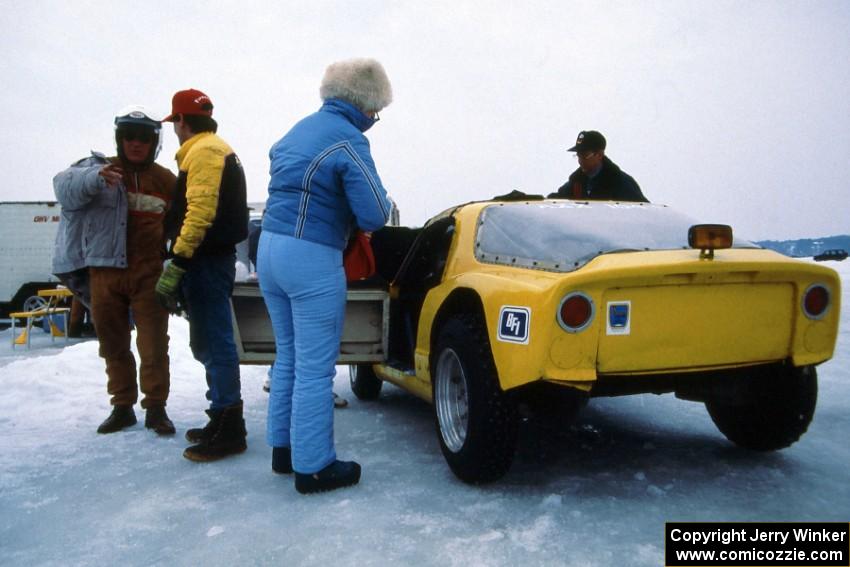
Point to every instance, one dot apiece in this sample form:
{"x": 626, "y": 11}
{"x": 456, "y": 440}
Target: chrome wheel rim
{"x": 451, "y": 400}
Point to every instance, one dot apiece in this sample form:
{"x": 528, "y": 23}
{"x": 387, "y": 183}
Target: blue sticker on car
{"x": 619, "y": 317}
{"x": 514, "y": 324}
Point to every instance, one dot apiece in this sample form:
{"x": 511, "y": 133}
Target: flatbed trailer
{"x": 364, "y": 334}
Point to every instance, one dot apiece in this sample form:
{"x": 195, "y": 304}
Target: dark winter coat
{"x": 210, "y": 211}
{"x": 610, "y": 184}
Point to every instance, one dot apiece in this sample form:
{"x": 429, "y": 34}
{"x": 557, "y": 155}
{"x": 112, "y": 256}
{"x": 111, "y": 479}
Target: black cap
{"x": 588, "y": 141}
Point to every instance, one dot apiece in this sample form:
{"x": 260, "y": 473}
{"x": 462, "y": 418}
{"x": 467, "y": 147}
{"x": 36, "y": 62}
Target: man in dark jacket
{"x": 597, "y": 177}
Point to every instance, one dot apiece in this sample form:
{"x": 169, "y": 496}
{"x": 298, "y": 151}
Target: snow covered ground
{"x": 598, "y": 494}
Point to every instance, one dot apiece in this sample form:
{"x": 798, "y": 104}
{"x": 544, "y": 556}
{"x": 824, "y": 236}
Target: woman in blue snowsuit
{"x": 323, "y": 185}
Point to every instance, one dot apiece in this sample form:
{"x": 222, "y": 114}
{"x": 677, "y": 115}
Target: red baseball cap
{"x": 190, "y": 101}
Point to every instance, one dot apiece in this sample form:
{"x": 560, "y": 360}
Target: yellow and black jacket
{"x": 209, "y": 214}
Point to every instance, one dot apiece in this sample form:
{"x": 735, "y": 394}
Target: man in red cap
{"x": 597, "y": 177}
{"x": 208, "y": 217}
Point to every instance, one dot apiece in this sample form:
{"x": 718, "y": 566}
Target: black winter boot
{"x": 338, "y": 474}
{"x": 157, "y": 419}
{"x": 121, "y": 417}
{"x": 282, "y": 460}
{"x": 201, "y": 434}
{"x": 227, "y": 436}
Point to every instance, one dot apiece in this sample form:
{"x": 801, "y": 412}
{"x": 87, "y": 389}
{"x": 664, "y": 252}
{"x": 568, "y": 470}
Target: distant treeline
{"x": 807, "y": 246}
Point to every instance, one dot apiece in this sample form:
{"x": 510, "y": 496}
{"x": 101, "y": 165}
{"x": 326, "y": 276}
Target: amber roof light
{"x": 710, "y": 237}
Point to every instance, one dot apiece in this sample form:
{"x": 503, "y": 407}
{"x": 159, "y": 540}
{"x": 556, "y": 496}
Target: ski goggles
{"x": 137, "y": 134}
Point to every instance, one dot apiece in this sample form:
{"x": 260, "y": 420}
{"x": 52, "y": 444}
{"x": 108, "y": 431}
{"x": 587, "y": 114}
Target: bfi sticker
{"x": 619, "y": 318}
{"x": 514, "y": 323}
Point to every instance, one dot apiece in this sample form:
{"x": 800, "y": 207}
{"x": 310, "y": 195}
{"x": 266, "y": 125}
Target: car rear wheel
{"x": 777, "y": 405}
{"x": 476, "y": 421}
{"x": 364, "y": 383}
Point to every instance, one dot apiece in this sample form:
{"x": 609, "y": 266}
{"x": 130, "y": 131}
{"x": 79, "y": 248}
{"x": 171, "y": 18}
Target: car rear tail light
{"x": 815, "y": 301}
{"x": 575, "y": 312}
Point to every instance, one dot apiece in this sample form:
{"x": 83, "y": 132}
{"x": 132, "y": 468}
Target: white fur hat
{"x": 362, "y": 82}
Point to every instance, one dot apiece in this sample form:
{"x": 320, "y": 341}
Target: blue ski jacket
{"x": 323, "y": 179}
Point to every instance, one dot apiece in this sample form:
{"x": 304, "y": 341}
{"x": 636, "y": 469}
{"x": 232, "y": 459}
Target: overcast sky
{"x": 733, "y": 112}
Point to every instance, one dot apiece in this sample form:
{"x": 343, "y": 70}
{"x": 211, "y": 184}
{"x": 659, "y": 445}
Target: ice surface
{"x": 595, "y": 495}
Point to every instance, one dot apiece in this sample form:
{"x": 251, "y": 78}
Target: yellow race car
{"x": 545, "y": 303}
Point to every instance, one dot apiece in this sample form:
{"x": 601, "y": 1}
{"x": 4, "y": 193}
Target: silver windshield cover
{"x": 563, "y": 236}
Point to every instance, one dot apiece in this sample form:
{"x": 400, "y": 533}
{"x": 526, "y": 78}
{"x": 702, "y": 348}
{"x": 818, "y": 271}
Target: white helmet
{"x": 134, "y": 117}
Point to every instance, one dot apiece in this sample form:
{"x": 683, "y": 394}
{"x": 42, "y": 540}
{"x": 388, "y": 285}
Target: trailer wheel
{"x": 476, "y": 420}
{"x": 33, "y": 303}
{"x": 364, "y": 383}
{"x": 779, "y": 403}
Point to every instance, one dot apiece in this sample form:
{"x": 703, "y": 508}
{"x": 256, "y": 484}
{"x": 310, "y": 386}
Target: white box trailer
{"x": 27, "y": 234}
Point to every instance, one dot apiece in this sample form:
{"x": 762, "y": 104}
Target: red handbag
{"x": 358, "y": 259}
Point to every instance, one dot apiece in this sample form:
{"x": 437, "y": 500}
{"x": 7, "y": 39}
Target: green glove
{"x": 168, "y": 287}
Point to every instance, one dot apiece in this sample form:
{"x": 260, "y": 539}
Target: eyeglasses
{"x": 584, "y": 155}
{"x": 143, "y": 135}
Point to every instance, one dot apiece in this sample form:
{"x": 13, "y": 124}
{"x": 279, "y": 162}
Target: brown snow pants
{"x": 116, "y": 294}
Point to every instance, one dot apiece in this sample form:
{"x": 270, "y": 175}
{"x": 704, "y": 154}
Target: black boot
{"x": 201, "y": 434}
{"x": 121, "y": 417}
{"x": 281, "y": 460}
{"x": 227, "y": 436}
{"x": 157, "y": 419}
{"x": 338, "y": 474}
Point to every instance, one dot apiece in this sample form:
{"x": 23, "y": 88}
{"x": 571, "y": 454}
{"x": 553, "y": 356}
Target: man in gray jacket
{"x": 109, "y": 250}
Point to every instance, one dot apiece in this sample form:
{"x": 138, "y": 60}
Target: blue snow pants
{"x": 207, "y": 287}
{"x": 304, "y": 287}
